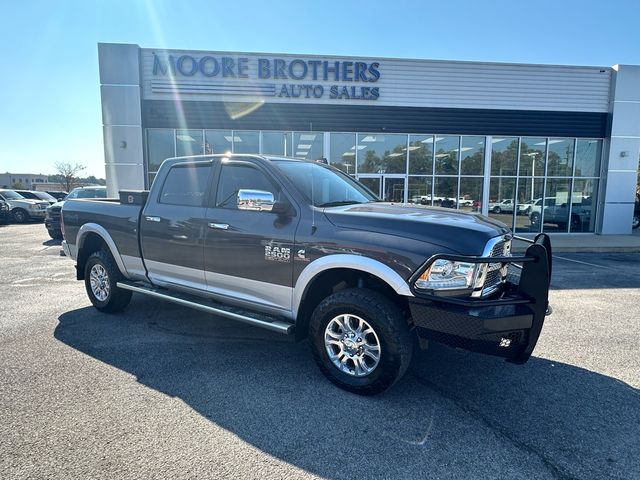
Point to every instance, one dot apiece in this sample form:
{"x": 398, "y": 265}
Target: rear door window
{"x": 186, "y": 185}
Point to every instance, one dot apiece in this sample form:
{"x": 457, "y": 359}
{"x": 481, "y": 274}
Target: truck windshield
{"x": 324, "y": 186}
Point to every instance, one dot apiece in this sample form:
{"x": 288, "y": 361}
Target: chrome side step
{"x": 268, "y": 322}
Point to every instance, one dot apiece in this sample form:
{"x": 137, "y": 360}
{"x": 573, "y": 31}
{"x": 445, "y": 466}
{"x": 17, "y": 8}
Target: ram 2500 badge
{"x": 302, "y": 249}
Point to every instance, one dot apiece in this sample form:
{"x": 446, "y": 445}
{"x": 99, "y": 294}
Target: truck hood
{"x": 465, "y": 233}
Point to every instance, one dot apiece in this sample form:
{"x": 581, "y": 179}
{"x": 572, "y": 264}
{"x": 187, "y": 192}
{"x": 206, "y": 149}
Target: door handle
{"x": 219, "y": 226}
{"x": 152, "y": 219}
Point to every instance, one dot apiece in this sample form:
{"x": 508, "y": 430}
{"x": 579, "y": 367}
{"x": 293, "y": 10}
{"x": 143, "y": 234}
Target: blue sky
{"x": 49, "y": 87}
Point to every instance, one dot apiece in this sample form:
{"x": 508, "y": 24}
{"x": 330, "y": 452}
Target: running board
{"x": 268, "y": 322}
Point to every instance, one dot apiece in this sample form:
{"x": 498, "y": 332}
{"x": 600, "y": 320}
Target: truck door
{"x": 172, "y": 227}
{"x": 248, "y": 254}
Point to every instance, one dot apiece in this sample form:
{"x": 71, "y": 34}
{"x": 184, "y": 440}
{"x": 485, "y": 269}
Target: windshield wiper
{"x": 339, "y": 204}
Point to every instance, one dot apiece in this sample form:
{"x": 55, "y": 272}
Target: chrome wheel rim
{"x": 99, "y": 280}
{"x": 352, "y": 345}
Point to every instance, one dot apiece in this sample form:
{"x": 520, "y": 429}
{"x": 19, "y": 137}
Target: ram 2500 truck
{"x": 303, "y": 249}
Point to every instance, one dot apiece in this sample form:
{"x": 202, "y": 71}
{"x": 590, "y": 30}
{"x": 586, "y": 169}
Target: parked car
{"x": 503, "y": 206}
{"x": 52, "y": 219}
{"x": 23, "y": 209}
{"x": 5, "y": 212}
{"x": 524, "y": 208}
{"x": 558, "y": 213}
{"x": 34, "y": 195}
{"x": 58, "y": 194}
{"x": 302, "y": 249}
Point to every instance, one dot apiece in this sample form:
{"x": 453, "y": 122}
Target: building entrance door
{"x": 389, "y": 188}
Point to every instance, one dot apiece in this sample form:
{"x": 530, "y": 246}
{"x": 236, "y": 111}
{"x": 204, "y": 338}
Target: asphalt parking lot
{"x": 164, "y": 392}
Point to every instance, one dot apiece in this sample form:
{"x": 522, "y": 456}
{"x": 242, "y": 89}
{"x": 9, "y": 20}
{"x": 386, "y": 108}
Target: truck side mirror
{"x": 260, "y": 201}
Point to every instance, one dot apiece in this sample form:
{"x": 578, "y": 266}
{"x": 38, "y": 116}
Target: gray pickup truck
{"x": 300, "y": 248}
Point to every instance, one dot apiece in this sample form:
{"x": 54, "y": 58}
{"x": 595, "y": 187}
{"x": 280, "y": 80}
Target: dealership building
{"x": 551, "y": 148}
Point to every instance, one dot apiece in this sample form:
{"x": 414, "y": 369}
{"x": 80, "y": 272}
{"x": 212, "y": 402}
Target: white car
{"x": 23, "y": 209}
{"x": 503, "y": 206}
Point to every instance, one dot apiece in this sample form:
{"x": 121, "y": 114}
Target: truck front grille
{"x": 497, "y": 271}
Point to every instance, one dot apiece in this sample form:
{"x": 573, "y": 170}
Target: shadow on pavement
{"x": 52, "y": 242}
{"x": 453, "y": 410}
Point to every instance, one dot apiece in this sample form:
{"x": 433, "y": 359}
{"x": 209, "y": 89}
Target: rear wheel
{"x": 20, "y": 215}
{"x": 360, "y": 341}
{"x": 497, "y": 210}
{"x": 101, "y": 275}
{"x": 636, "y": 220}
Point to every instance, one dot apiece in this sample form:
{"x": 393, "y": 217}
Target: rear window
{"x": 185, "y": 185}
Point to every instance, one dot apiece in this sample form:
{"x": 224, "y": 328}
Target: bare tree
{"x": 68, "y": 174}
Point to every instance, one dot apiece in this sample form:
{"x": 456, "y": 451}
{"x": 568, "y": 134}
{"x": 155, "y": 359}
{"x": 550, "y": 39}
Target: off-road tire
{"x": 392, "y": 329}
{"x": 20, "y": 215}
{"x": 117, "y": 298}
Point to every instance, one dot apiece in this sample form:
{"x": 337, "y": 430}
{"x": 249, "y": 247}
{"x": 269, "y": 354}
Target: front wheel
{"x": 101, "y": 275}
{"x": 360, "y": 341}
{"x": 20, "y": 215}
{"x": 636, "y": 220}
{"x": 497, "y": 210}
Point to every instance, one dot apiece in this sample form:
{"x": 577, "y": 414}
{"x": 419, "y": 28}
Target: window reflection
{"x": 560, "y": 157}
{"x": 470, "y": 198}
{"x": 188, "y": 142}
{"x": 421, "y": 154}
{"x": 555, "y": 213}
{"x": 420, "y": 190}
{"x": 446, "y": 192}
{"x": 246, "y": 142}
{"x": 382, "y": 153}
{"x": 528, "y": 199}
{"x": 308, "y": 145}
{"x": 343, "y": 153}
{"x": 472, "y": 156}
{"x": 504, "y": 155}
{"x": 588, "y": 158}
{"x": 502, "y": 193}
{"x": 276, "y": 143}
{"x": 217, "y": 141}
{"x": 532, "y": 156}
{"x": 583, "y": 205}
{"x": 446, "y": 157}
{"x": 160, "y": 146}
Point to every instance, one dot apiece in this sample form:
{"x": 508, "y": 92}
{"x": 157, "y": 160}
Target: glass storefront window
{"x": 217, "y": 141}
{"x": 342, "y": 153}
{"x": 276, "y": 143}
{"x": 308, "y": 145}
{"x": 420, "y": 190}
{"x": 504, "y": 156}
{"x": 421, "y": 154}
{"x": 446, "y": 192}
{"x": 446, "y": 157}
{"x": 188, "y": 142}
{"x": 372, "y": 183}
{"x": 588, "y": 154}
{"x": 532, "y": 156}
{"x": 583, "y": 203}
{"x": 246, "y": 142}
{"x": 382, "y": 153}
{"x": 472, "y": 156}
{"x": 160, "y": 146}
{"x": 555, "y": 214}
{"x": 470, "y": 198}
{"x": 560, "y": 157}
{"x": 502, "y": 194}
{"x": 527, "y": 210}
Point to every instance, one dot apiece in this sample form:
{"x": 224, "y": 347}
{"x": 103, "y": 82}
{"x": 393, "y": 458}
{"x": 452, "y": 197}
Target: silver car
{"x": 24, "y": 209}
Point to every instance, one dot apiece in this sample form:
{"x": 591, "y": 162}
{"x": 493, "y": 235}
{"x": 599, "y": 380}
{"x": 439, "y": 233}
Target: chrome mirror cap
{"x": 256, "y": 200}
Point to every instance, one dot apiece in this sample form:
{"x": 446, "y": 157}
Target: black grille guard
{"x": 532, "y": 290}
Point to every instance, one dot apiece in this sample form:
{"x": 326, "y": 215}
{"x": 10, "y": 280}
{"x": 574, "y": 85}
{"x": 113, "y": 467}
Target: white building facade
{"x": 548, "y": 148}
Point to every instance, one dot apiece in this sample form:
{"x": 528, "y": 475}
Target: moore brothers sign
{"x": 296, "y": 78}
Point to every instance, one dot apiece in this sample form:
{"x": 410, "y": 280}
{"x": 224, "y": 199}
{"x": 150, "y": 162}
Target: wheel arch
{"x": 336, "y": 272}
{"x": 91, "y": 238}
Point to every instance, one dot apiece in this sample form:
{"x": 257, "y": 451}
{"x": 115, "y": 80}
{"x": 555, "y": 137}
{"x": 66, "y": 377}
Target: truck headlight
{"x": 449, "y": 275}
